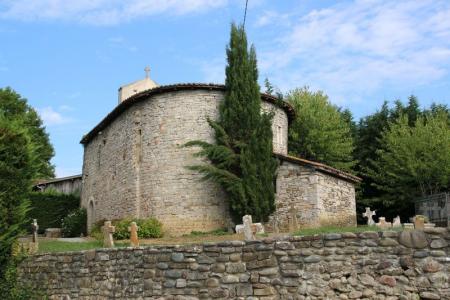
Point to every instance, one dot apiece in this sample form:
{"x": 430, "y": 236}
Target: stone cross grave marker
{"x": 133, "y": 229}
{"x": 397, "y": 222}
{"x": 293, "y": 222}
{"x": 34, "y": 230}
{"x": 383, "y": 224}
{"x": 108, "y": 230}
{"x": 248, "y": 232}
{"x": 369, "y": 215}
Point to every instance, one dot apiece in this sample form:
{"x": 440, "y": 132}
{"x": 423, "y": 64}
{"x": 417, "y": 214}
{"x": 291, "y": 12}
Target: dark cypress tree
{"x": 242, "y": 160}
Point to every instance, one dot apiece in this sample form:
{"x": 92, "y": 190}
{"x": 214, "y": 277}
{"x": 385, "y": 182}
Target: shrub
{"x": 50, "y": 207}
{"x": 74, "y": 224}
{"x": 96, "y": 230}
{"x": 148, "y": 228}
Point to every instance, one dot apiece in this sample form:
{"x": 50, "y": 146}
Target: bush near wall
{"x": 50, "y": 207}
{"x": 74, "y": 224}
{"x": 148, "y": 228}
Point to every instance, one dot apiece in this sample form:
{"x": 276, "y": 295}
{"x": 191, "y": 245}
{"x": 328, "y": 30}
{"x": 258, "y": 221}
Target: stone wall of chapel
{"x": 336, "y": 201}
{"x": 137, "y": 165}
{"x": 279, "y": 128}
{"x": 316, "y": 199}
{"x": 108, "y": 176}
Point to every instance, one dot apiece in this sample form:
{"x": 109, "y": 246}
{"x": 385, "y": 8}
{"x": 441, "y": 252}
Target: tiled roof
{"x": 171, "y": 88}
{"x": 320, "y": 167}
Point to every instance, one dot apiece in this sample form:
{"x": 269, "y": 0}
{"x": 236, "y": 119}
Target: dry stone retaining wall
{"x": 369, "y": 265}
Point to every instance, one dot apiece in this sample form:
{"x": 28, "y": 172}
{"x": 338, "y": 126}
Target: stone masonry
{"x": 382, "y": 266}
{"x": 319, "y": 199}
{"x": 135, "y": 164}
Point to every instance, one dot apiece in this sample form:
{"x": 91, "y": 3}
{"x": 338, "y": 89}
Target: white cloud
{"x": 51, "y": 117}
{"x": 361, "y": 47}
{"x": 101, "y": 12}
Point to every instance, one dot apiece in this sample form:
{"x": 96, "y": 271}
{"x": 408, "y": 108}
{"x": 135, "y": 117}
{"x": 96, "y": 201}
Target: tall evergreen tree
{"x": 242, "y": 159}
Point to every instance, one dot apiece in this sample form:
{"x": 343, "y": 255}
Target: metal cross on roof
{"x": 147, "y": 71}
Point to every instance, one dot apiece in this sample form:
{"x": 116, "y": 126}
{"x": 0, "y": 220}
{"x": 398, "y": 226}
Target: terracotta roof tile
{"x": 320, "y": 167}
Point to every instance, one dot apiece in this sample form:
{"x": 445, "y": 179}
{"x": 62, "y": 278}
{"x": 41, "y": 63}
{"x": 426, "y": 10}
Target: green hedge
{"x": 74, "y": 224}
{"x": 50, "y": 207}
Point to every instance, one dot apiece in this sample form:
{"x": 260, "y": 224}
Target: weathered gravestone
{"x": 419, "y": 222}
{"x": 256, "y": 228}
{"x": 34, "y": 230}
{"x": 34, "y": 246}
{"x": 397, "y": 222}
{"x": 108, "y": 230}
{"x": 369, "y": 215}
{"x": 133, "y": 229}
{"x": 53, "y": 232}
{"x": 248, "y": 232}
{"x": 383, "y": 224}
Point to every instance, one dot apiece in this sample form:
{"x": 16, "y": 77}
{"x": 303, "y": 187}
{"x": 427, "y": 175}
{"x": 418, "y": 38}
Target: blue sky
{"x": 68, "y": 58}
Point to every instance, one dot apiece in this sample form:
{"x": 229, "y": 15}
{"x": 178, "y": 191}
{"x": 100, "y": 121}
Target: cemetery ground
{"x": 48, "y": 245}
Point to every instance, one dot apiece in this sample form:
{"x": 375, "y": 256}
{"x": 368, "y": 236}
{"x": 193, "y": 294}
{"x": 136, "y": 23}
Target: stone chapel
{"x": 134, "y": 165}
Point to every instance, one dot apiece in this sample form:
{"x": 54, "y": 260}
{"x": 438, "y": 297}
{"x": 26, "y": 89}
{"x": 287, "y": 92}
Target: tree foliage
{"x": 320, "y": 131}
{"x": 241, "y": 158}
{"x": 394, "y": 197}
{"x": 413, "y": 160}
{"x": 15, "y": 108}
{"x": 16, "y": 153}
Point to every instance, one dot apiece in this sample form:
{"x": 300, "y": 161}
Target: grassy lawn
{"x": 333, "y": 229}
{"x": 59, "y": 246}
{"x": 193, "y": 238}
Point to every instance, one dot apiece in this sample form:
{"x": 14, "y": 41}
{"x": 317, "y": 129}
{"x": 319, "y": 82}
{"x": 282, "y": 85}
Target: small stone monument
{"x": 293, "y": 222}
{"x": 34, "y": 246}
{"x": 369, "y": 215}
{"x": 34, "y": 230}
{"x": 419, "y": 222}
{"x": 383, "y": 224}
{"x": 248, "y": 232}
{"x": 397, "y": 222}
{"x": 133, "y": 229}
{"x": 108, "y": 230}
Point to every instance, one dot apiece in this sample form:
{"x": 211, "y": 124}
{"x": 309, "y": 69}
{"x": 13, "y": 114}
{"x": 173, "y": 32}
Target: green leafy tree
{"x": 320, "y": 131}
{"x": 241, "y": 159}
{"x": 15, "y": 108}
{"x": 16, "y": 153}
{"x": 412, "y": 161}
